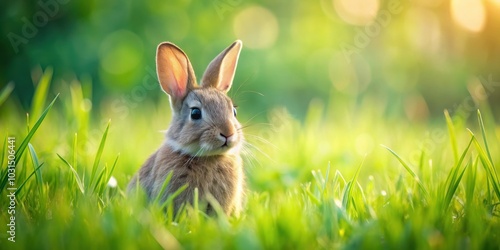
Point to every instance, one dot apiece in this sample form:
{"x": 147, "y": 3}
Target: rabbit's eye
{"x": 234, "y": 111}
{"x": 195, "y": 113}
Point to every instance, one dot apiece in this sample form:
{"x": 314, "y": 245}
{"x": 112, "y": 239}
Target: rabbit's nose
{"x": 225, "y": 138}
{"x": 226, "y": 130}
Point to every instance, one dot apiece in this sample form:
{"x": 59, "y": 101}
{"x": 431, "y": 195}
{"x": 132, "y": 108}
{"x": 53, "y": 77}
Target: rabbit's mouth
{"x": 227, "y": 140}
{"x": 219, "y": 148}
{"x": 216, "y": 146}
{"x": 223, "y": 149}
{"x": 219, "y": 144}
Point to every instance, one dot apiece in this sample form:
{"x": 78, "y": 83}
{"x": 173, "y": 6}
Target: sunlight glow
{"x": 429, "y": 3}
{"x": 257, "y": 27}
{"x": 424, "y": 29}
{"x": 357, "y": 12}
{"x": 496, "y": 2}
{"x": 469, "y": 14}
{"x": 364, "y": 144}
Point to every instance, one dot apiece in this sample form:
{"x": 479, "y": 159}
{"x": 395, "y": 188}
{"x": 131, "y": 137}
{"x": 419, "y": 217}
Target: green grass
{"x": 324, "y": 183}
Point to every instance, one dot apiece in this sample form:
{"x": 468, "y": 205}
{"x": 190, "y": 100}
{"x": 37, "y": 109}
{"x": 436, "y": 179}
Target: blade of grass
{"x": 180, "y": 214}
{"x": 24, "y": 144}
{"x": 454, "y": 178}
{"x": 196, "y": 207}
{"x": 26, "y": 180}
{"x": 4, "y": 149}
{"x": 491, "y": 163}
{"x": 221, "y": 216}
{"x": 172, "y": 196}
{"x": 3, "y": 182}
{"x": 421, "y": 161}
{"x": 113, "y": 167}
{"x": 451, "y": 132}
{"x": 163, "y": 187}
{"x": 453, "y": 186}
{"x": 492, "y": 177}
{"x": 319, "y": 179}
{"x": 34, "y": 158}
{"x": 493, "y": 172}
{"x": 4, "y": 175}
{"x": 312, "y": 197}
{"x": 347, "y": 193}
{"x": 99, "y": 153}
{"x": 409, "y": 170}
{"x": 471, "y": 182}
{"x": 75, "y": 150}
{"x": 98, "y": 180}
{"x": 483, "y": 133}
{"x": 101, "y": 185}
{"x": 327, "y": 175}
{"x": 41, "y": 92}
{"x": 5, "y": 92}
{"x": 77, "y": 177}
{"x": 110, "y": 173}
{"x": 488, "y": 187}
{"x": 337, "y": 178}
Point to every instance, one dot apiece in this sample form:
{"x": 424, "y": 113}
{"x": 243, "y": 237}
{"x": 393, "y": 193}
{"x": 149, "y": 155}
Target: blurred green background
{"x": 413, "y": 58}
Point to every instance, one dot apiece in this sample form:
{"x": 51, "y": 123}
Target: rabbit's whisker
{"x": 260, "y": 139}
{"x": 259, "y": 150}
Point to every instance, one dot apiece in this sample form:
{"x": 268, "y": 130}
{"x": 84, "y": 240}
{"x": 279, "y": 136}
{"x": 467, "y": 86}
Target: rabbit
{"x": 203, "y": 142}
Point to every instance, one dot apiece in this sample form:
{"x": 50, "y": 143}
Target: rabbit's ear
{"x": 174, "y": 72}
{"x": 220, "y": 72}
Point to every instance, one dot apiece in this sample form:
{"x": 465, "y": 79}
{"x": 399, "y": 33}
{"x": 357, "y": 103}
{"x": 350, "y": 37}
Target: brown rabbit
{"x": 202, "y": 146}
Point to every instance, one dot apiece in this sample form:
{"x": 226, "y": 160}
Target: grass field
{"x": 347, "y": 176}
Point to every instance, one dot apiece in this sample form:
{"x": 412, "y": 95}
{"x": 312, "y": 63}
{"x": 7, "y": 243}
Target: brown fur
{"x": 215, "y": 175}
{"x": 203, "y": 153}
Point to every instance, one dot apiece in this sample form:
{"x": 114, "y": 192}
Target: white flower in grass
{"x": 112, "y": 183}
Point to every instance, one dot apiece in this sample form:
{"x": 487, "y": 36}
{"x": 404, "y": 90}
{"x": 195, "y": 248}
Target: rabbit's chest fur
{"x": 214, "y": 175}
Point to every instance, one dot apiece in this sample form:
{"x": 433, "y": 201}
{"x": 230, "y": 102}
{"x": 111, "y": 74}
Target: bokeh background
{"x": 412, "y": 58}
{"x": 320, "y": 86}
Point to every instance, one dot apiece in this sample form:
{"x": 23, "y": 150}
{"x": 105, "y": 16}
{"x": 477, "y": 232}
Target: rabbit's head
{"x": 204, "y": 118}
